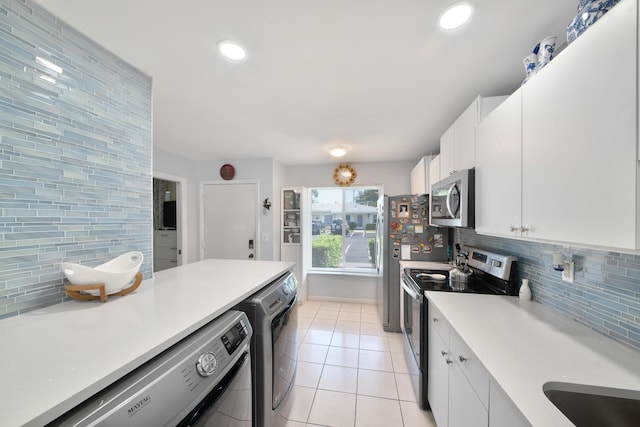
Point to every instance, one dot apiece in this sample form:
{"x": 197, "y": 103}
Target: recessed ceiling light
{"x": 455, "y": 16}
{"x": 338, "y": 151}
{"x": 232, "y": 50}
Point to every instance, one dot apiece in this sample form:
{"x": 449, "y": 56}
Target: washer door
{"x": 228, "y": 403}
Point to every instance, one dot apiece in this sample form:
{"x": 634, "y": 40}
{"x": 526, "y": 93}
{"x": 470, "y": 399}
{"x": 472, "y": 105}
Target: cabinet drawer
{"x": 166, "y": 238}
{"x": 163, "y": 253}
{"x": 471, "y": 367}
{"x": 439, "y": 323}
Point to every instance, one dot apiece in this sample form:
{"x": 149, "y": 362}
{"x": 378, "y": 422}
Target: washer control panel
{"x": 234, "y": 336}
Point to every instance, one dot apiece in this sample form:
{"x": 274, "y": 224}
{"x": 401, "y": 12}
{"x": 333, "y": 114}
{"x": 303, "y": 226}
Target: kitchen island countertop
{"x": 58, "y": 356}
{"x": 524, "y": 344}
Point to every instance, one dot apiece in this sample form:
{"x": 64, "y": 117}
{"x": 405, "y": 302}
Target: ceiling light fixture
{"x": 232, "y": 50}
{"x": 338, "y": 151}
{"x": 455, "y": 16}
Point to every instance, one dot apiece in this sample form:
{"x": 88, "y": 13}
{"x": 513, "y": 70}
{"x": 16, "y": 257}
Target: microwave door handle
{"x": 449, "y": 195}
{"x": 413, "y": 294}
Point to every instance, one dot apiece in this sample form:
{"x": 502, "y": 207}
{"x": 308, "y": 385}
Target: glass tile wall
{"x": 605, "y": 295}
{"x": 75, "y": 156}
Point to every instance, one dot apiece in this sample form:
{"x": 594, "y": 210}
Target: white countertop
{"x": 56, "y": 357}
{"x": 524, "y": 345}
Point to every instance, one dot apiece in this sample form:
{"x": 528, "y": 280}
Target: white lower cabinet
{"x": 503, "y": 413}
{"x": 460, "y": 390}
{"x": 438, "y": 375}
{"x": 458, "y": 385}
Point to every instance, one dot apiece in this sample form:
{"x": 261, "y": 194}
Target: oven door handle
{"x": 409, "y": 290}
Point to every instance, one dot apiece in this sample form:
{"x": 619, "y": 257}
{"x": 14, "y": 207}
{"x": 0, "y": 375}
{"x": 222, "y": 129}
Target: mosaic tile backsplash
{"x": 605, "y": 295}
{"x": 75, "y": 156}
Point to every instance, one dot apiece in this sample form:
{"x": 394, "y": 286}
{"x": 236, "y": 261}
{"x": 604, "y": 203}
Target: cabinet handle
{"x": 435, "y": 320}
{"x": 449, "y": 361}
{"x": 524, "y": 229}
{"x": 513, "y": 229}
{"x": 462, "y": 358}
{"x": 444, "y": 353}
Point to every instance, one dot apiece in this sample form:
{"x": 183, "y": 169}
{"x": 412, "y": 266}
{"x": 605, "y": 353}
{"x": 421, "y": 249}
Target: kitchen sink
{"x": 587, "y": 405}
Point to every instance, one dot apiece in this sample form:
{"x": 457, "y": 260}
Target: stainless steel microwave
{"x": 452, "y": 200}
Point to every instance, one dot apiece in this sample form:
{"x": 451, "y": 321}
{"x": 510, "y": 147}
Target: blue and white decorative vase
{"x": 589, "y": 11}
{"x": 546, "y": 50}
{"x": 530, "y": 64}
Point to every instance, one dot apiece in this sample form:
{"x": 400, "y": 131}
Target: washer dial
{"x": 206, "y": 364}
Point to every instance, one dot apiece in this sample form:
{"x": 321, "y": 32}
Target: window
{"x": 343, "y": 228}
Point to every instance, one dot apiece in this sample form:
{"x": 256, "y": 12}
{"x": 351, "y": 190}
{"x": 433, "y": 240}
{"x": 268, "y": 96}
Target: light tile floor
{"x": 350, "y": 371}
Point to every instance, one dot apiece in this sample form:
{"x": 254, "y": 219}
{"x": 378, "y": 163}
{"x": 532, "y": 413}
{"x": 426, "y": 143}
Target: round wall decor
{"x": 227, "y": 172}
{"x": 344, "y": 175}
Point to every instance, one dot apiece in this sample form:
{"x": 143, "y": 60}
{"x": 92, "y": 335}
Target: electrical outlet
{"x": 568, "y": 272}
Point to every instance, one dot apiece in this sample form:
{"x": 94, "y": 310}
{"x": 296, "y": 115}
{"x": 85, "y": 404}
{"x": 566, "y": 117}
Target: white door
{"x": 228, "y": 224}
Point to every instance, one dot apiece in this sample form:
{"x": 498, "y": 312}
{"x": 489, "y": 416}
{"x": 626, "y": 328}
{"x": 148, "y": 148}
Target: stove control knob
{"x": 206, "y": 364}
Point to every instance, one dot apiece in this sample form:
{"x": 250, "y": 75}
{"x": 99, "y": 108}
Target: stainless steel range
{"x": 493, "y": 274}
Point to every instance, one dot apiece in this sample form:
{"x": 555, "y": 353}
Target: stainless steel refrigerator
{"x": 404, "y": 234}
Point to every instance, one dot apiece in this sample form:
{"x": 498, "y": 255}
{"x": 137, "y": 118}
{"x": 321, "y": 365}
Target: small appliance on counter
{"x": 483, "y": 272}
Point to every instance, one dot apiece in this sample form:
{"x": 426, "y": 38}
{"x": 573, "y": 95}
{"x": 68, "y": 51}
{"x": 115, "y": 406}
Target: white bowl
{"x": 116, "y": 274}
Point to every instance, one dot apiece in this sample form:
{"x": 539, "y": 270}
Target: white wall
{"x": 393, "y": 176}
{"x": 175, "y": 165}
{"x": 253, "y": 169}
{"x": 263, "y": 170}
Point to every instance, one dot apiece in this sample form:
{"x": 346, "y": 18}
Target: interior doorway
{"x": 168, "y": 226}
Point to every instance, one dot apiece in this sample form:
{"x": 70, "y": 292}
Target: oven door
{"x": 411, "y": 321}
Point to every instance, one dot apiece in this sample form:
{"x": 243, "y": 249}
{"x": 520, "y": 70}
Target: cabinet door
{"x": 464, "y": 152}
{"x": 503, "y": 412}
{"x": 434, "y": 171}
{"x": 438, "y": 377}
{"x": 418, "y": 178}
{"x": 499, "y": 169}
{"x": 579, "y": 138}
{"x": 447, "y": 142}
{"x": 465, "y": 408}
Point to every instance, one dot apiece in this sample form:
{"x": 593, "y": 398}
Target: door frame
{"x": 257, "y": 212}
{"x": 181, "y": 213}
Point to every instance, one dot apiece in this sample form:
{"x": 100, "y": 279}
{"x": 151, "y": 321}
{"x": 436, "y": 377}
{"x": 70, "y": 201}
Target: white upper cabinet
{"x": 447, "y": 147}
{"x": 499, "y": 171}
{"x": 579, "y": 138}
{"x": 558, "y": 161}
{"x": 434, "y": 171}
{"x": 420, "y": 183}
{"x": 458, "y": 143}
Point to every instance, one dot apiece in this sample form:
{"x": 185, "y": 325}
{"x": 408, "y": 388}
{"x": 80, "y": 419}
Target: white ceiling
{"x": 378, "y": 76}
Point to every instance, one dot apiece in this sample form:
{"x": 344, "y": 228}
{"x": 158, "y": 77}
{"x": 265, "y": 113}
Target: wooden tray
{"x": 74, "y": 291}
